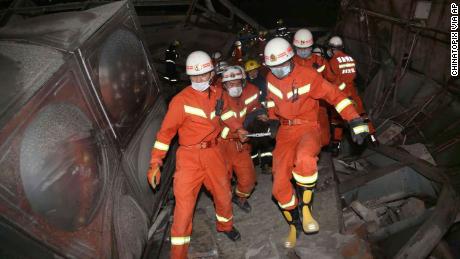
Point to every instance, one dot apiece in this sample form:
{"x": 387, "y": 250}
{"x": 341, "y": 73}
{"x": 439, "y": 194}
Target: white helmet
{"x": 303, "y": 38}
{"x": 216, "y": 55}
{"x": 221, "y": 66}
{"x": 277, "y": 51}
{"x": 317, "y": 51}
{"x": 198, "y": 63}
{"x": 237, "y": 43}
{"x": 232, "y": 73}
{"x": 336, "y": 42}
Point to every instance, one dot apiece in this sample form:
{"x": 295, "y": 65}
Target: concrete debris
{"x": 388, "y": 132}
{"x": 419, "y": 150}
{"x": 413, "y": 207}
{"x": 263, "y": 229}
{"x": 357, "y": 248}
{"x": 265, "y": 249}
{"x": 368, "y": 215}
{"x": 341, "y": 165}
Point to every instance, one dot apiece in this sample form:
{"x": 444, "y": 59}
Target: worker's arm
{"x": 171, "y": 123}
{"x": 328, "y": 73}
{"x": 252, "y": 101}
{"x": 322, "y": 89}
{"x": 229, "y": 119}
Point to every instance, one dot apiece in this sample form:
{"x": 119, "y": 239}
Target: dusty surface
{"x": 264, "y": 228}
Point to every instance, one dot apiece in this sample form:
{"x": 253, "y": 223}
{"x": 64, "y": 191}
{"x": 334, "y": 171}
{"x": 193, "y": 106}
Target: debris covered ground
{"x": 263, "y": 229}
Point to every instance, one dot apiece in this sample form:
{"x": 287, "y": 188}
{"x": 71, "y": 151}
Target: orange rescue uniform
{"x": 344, "y": 67}
{"x": 322, "y": 66}
{"x": 294, "y": 100}
{"x": 237, "y": 154}
{"x": 199, "y": 161}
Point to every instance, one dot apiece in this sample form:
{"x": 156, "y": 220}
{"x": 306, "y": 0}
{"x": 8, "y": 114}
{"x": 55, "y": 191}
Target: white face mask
{"x": 235, "y": 91}
{"x": 200, "y": 86}
{"x": 303, "y": 52}
{"x": 281, "y": 72}
{"x": 330, "y": 53}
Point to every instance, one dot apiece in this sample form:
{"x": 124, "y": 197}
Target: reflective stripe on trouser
{"x": 241, "y": 164}
{"x": 195, "y": 167}
{"x": 264, "y": 146}
{"x": 297, "y": 146}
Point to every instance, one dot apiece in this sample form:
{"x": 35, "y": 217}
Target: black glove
{"x": 251, "y": 117}
{"x": 359, "y": 130}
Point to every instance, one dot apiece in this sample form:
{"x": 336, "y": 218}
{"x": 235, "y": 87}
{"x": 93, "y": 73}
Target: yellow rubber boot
{"x": 293, "y": 219}
{"x": 309, "y": 224}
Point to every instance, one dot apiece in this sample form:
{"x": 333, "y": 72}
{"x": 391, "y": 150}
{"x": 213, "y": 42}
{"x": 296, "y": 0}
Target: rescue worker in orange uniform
{"x": 344, "y": 68}
{"x": 237, "y": 53}
{"x": 242, "y": 98}
{"x": 293, "y": 98}
{"x": 195, "y": 114}
{"x": 303, "y": 43}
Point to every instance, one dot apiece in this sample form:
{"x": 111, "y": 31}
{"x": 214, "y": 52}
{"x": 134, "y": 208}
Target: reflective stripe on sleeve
{"x": 178, "y": 241}
{"x": 269, "y": 104}
{"x": 321, "y": 68}
{"x": 250, "y": 99}
{"x": 243, "y": 112}
{"x": 343, "y": 104}
{"x": 161, "y": 146}
{"x": 227, "y": 115}
{"x": 225, "y": 132}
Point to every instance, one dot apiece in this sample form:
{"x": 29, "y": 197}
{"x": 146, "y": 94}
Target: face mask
{"x": 200, "y": 86}
{"x": 281, "y": 72}
{"x": 303, "y": 52}
{"x": 330, "y": 53}
{"x": 235, "y": 91}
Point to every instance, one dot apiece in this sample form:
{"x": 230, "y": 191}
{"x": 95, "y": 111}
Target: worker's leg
{"x": 284, "y": 193}
{"x": 324, "y": 125}
{"x": 266, "y": 154}
{"x": 216, "y": 181}
{"x": 188, "y": 179}
{"x": 283, "y": 162}
{"x": 245, "y": 172}
{"x": 305, "y": 174}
